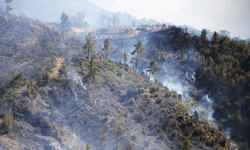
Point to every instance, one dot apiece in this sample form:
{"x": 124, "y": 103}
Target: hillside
{"x": 41, "y": 88}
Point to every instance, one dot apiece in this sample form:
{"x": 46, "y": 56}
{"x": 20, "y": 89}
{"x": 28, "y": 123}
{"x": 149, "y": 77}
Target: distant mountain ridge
{"x": 50, "y": 11}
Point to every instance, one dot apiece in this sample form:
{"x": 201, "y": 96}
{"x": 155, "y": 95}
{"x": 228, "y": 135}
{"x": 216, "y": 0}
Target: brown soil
{"x": 55, "y": 72}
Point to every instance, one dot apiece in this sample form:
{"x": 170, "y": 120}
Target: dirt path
{"x": 55, "y": 72}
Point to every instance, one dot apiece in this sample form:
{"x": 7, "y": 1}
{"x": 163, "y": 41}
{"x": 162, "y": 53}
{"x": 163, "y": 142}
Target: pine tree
{"x": 64, "y": 18}
{"x": 214, "y": 38}
{"x": 210, "y": 61}
{"x": 7, "y": 121}
{"x": 187, "y": 144}
{"x": 89, "y": 46}
{"x": 152, "y": 69}
{"x": 8, "y": 8}
{"x": 125, "y": 57}
{"x": 115, "y": 21}
{"x": 139, "y": 52}
{"x": 107, "y": 49}
{"x": 92, "y": 76}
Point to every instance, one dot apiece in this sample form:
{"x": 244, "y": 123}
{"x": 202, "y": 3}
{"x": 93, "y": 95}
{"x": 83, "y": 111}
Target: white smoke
{"x": 190, "y": 75}
{"x": 183, "y": 87}
{"x": 228, "y": 132}
{"x": 205, "y": 98}
{"x": 74, "y": 79}
{"x": 74, "y": 136}
{"x": 173, "y": 84}
{"x": 49, "y": 88}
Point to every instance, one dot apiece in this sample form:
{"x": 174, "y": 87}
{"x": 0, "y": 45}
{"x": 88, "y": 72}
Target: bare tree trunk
{"x": 62, "y": 30}
{"x": 88, "y": 89}
{"x": 7, "y": 10}
{"x": 88, "y": 53}
{"x": 136, "y": 61}
{"x": 14, "y": 108}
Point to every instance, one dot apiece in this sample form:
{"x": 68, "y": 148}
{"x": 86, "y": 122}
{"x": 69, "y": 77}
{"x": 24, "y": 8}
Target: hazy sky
{"x": 216, "y": 15}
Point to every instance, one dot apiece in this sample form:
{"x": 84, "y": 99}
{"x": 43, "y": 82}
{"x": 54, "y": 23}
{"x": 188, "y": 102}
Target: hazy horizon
{"x": 228, "y": 15}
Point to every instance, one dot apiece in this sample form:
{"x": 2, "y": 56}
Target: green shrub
{"x": 12, "y": 99}
{"x": 199, "y": 131}
{"x": 16, "y": 81}
{"x": 210, "y": 142}
{"x": 171, "y": 94}
{"x": 183, "y": 124}
{"x": 37, "y": 130}
{"x": 222, "y": 141}
{"x": 55, "y": 92}
{"x": 46, "y": 76}
{"x": 174, "y": 133}
{"x": 40, "y": 79}
{"x": 152, "y": 90}
{"x": 63, "y": 69}
{"x": 180, "y": 118}
{"x": 7, "y": 121}
{"x": 175, "y": 95}
{"x": 187, "y": 144}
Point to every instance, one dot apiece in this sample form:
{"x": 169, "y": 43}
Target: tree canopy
{"x": 125, "y": 57}
{"x": 152, "y": 69}
{"x": 8, "y": 8}
{"x": 139, "y": 52}
{"x": 64, "y": 18}
{"x": 107, "y": 49}
{"x": 92, "y": 76}
{"x": 89, "y": 46}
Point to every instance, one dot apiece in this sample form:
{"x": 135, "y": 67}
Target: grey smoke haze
{"x": 50, "y": 10}
{"x": 215, "y": 15}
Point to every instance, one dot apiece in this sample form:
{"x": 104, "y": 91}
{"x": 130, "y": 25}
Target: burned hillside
{"x": 45, "y": 105}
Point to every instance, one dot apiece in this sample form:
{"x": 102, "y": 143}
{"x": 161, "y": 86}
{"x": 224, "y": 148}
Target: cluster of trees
{"x": 79, "y": 20}
{"x": 223, "y": 60}
{"x": 75, "y": 21}
{"x": 64, "y": 21}
{"x": 138, "y": 53}
{"x": 119, "y": 19}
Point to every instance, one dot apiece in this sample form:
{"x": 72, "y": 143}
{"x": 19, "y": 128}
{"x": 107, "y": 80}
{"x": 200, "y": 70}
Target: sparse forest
{"x": 61, "y": 89}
